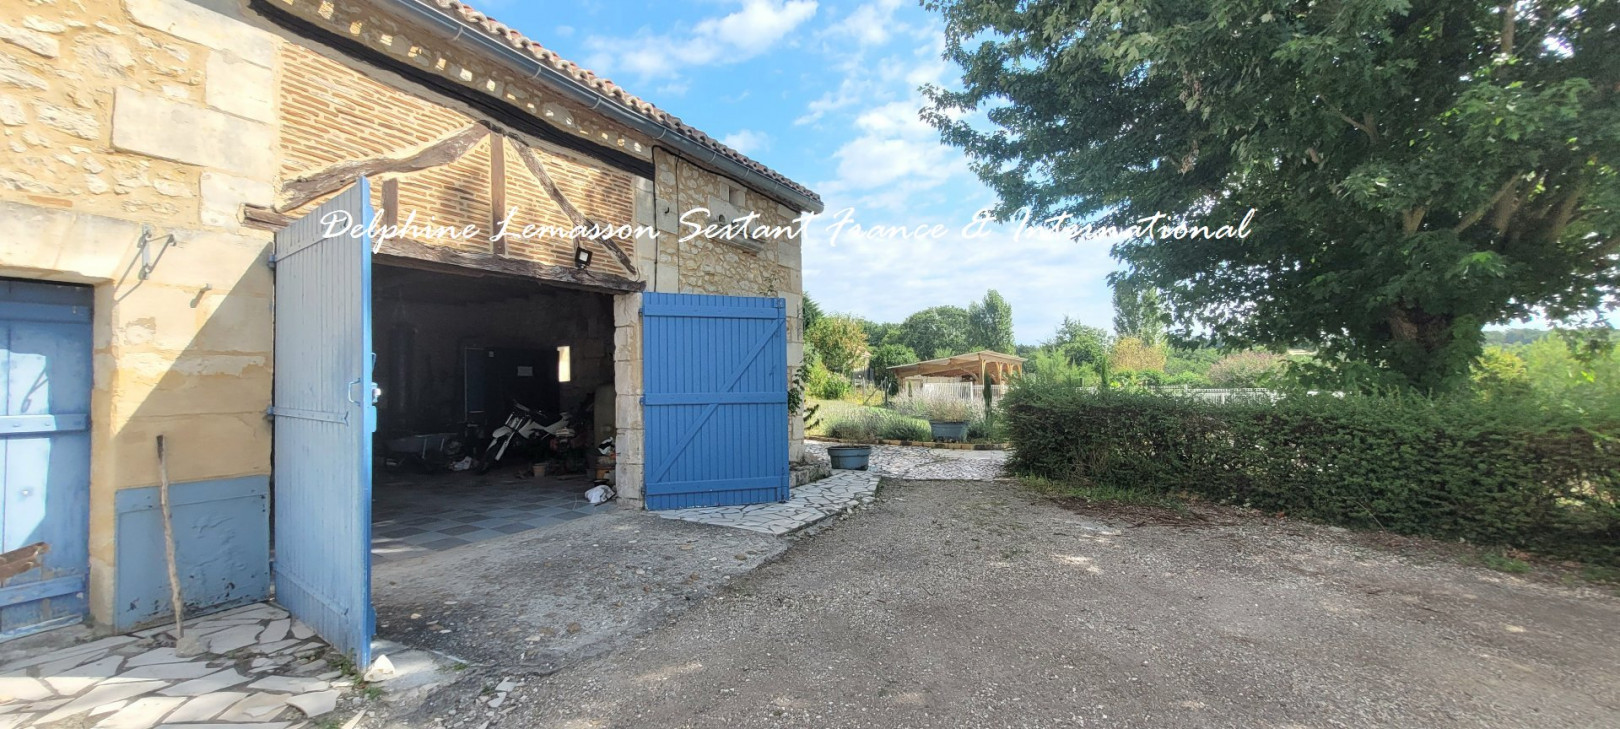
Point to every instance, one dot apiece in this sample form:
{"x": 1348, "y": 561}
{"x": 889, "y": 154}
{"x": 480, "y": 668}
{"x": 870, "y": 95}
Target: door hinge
{"x": 270, "y": 261}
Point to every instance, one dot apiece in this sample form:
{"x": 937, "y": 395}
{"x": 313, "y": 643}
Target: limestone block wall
{"x": 715, "y": 265}
{"x": 156, "y": 116}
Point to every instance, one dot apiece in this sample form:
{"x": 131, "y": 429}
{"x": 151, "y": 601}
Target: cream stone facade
{"x": 180, "y": 135}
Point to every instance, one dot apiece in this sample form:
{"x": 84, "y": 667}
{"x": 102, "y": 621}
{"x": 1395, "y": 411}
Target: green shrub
{"x": 1496, "y": 472}
{"x": 1244, "y": 369}
{"x": 823, "y": 384}
{"x": 937, "y": 408}
{"x": 870, "y": 424}
{"x": 1186, "y": 379}
{"x": 900, "y": 427}
{"x": 861, "y": 427}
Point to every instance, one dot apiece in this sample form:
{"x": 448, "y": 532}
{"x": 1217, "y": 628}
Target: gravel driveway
{"x": 960, "y": 603}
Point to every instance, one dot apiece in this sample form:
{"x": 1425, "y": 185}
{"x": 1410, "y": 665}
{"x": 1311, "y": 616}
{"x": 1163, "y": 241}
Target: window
{"x": 734, "y": 195}
{"x": 565, "y": 364}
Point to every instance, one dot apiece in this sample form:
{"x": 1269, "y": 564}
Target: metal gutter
{"x": 571, "y": 89}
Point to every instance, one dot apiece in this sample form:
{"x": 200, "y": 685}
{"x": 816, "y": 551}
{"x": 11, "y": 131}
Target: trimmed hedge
{"x": 1507, "y": 473}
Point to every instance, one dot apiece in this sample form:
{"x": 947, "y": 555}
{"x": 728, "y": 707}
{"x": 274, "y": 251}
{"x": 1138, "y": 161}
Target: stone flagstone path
{"x": 261, "y": 669}
{"x": 846, "y": 490}
{"x": 810, "y": 503}
{"x": 924, "y": 464}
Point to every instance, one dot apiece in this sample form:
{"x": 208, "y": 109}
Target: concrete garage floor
{"x": 417, "y": 514}
{"x": 979, "y": 604}
{"x": 529, "y": 602}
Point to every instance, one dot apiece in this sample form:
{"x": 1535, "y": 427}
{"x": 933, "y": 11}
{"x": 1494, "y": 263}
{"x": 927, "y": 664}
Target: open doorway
{"x": 457, "y": 357}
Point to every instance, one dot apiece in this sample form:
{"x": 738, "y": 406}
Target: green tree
{"x": 940, "y": 331}
{"x": 1138, "y": 311}
{"x": 1195, "y": 360}
{"x": 1561, "y": 371}
{"x": 886, "y": 356}
{"x": 1244, "y": 369}
{"x": 1417, "y": 169}
{"x": 810, "y": 313}
{"x": 990, "y": 324}
{"x": 880, "y": 333}
{"x": 1082, "y": 345}
{"x": 840, "y": 341}
{"x": 1500, "y": 372}
{"x": 1050, "y": 364}
{"x": 1135, "y": 355}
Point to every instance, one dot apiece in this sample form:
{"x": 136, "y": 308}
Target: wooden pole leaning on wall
{"x": 168, "y": 541}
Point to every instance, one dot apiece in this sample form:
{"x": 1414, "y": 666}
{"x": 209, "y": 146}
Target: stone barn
{"x": 307, "y": 242}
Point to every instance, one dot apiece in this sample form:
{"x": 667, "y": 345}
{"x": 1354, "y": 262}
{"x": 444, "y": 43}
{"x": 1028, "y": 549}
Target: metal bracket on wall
{"x": 149, "y": 260}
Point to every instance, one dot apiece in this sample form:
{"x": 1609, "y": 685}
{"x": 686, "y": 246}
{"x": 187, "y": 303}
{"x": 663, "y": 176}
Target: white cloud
{"x": 563, "y": 31}
{"x": 755, "y": 28}
{"x": 892, "y": 169}
{"x": 747, "y": 141}
{"x": 850, "y": 91}
{"x": 895, "y": 158}
{"x": 871, "y": 24}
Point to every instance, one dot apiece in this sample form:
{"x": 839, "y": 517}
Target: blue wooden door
{"x": 44, "y": 455}
{"x": 325, "y": 411}
{"x": 715, "y": 404}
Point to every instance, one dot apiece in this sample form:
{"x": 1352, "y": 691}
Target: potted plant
{"x": 848, "y": 457}
{"x": 858, "y": 430}
{"x": 948, "y": 418}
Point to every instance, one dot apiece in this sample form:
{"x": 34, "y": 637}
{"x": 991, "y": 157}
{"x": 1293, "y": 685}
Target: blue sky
{"x": 825, "y": 92}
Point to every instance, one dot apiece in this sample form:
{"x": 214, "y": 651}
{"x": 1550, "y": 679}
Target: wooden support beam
{"x": 390, "y": 203}
{"x": 411, "y": 254}
{"x": 262, "y": 218}
{"x": 497, "y": 193}
{"x": 538, "y": 169}
{"x": 300, "y": 192}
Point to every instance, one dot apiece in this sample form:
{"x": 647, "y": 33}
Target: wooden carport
{"x": 972, "y": 367}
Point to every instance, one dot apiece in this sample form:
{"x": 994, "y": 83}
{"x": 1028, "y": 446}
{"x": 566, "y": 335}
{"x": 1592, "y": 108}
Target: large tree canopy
{"x": 1137, "y": 311}
{"x": 840, "y": 341}
{"x": 940, "y": 331}
{"x": 990, "y": 324}
{"x": 1418, "y": 168}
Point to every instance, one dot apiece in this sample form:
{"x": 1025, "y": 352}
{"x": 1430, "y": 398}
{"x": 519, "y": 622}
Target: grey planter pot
{"x": 849, "y": 457}
{"x": 948, "y": 431}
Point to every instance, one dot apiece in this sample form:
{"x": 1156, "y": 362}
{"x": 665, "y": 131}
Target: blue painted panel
{"x": 715, "y": 406}
{"x": 221, "y": 545}
{"x": 45, "y": 351}
{"x": 325, "y": 415}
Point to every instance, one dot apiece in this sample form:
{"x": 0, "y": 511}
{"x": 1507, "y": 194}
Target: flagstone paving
{"x": 808, "y": 504}
{"x": 846, "y": 490}
{"x": 916, "y": 463}
{"x": 261, "y": 669}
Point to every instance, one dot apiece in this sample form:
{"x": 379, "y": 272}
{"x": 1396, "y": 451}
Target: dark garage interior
{"x": 454, "y": 352}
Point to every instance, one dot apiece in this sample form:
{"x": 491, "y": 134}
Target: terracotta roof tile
{"x": 606, "y": 88}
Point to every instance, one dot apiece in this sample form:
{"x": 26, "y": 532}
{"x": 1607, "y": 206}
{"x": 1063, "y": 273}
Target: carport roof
{"x": 969, "y": 364}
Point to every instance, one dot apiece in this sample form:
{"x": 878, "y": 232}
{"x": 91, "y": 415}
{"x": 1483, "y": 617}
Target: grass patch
{"x": 1504, "y": 563}
{"x": 1104, "y": 494}
{"x": 1601, "y": 574}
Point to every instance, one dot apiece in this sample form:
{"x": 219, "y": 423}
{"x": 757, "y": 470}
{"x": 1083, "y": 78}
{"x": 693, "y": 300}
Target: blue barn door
{"x": 714, "y": 377}
{"x": 44, "y": 455}
{"x": 325, "y": 412}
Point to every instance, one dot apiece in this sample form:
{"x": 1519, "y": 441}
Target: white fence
{"x": 1222, "y": 396}
{"x": 948, "y": 387}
